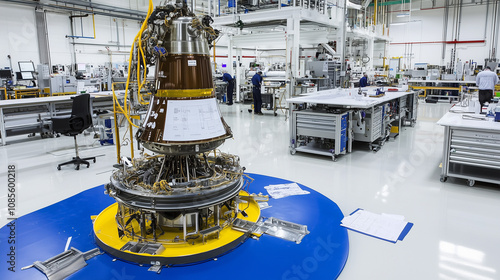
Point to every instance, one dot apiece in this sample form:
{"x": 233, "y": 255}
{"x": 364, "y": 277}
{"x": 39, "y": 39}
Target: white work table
{"x": 455, "y": 86}
{"x": 330, "y": 115}
{"x": 347, "y": 99}
{"x": 33, "y": 101}
{"x": 467, "y": 120}
{"x": 442, "y": 81}
{"x": 50, "y": 102}
{"x": 471, "y": 148}
{"x": 51, "y": 99}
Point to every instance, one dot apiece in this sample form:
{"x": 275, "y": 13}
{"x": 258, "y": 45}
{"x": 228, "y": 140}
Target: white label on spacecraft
{"x": 191, "y": 120}
{"x": 191, "y": 62}
{"x": 151, "y": 125}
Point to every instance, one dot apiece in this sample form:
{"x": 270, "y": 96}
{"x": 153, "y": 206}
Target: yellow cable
{"x": 139, "y": 34}
{"x": 121, "y": 110}
{"x": 143, "y": 81}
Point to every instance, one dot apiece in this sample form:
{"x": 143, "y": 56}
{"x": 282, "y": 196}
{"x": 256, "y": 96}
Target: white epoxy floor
{"x": 457, "y": 228}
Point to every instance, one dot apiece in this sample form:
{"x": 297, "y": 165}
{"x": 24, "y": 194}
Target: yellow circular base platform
{"x": 107, "y": 237}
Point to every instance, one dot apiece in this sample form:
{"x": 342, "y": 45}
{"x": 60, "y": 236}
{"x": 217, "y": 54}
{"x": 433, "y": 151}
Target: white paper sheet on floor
{"x": 384, "y": 226}
{"x": 284, "y": 190}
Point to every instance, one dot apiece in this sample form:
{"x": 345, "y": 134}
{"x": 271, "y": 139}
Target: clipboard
{"x": 403, "y": 234}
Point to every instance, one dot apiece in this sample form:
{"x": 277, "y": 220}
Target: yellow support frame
{"x": 425, "y": 88}
{"x": 19, "y": 93}
{"x": 5, "y": 93}
{"x": 63, "y": 93}
{"x": 117, "y": 129}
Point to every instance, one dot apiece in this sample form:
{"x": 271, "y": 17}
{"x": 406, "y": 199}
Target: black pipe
{"x": 79, "y": 16}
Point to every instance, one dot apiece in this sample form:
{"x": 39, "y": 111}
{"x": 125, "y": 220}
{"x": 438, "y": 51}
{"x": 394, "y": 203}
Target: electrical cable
{"x": 125, "y": 108}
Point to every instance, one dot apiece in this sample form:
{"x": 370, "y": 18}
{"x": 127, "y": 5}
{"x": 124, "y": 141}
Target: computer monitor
{"x": 24, "y": 76}
{"x": 26, "y": 66}
{"x": 81, "y": 67}
{"x": 27, "y": 75}
{"x": 5, "y": 74}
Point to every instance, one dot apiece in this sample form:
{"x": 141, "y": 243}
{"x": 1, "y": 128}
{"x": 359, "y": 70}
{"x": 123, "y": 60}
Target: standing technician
{"x": 230, "y": 86}
{"x": 257, "y": 97}
{"x": 486, "y": 81}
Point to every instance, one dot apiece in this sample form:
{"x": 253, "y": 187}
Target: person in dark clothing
{"x": 257, "y": 97}
{"x": 230, "y": 87}
{"x": 363, "y": 82}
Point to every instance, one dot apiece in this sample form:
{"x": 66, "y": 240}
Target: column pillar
{"x": 42, "y": 36}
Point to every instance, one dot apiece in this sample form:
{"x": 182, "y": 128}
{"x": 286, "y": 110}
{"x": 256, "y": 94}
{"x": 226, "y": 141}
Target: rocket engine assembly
{"x": 186, "y": 202}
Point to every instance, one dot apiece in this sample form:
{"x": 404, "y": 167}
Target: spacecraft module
{"x": 183, "y": 201}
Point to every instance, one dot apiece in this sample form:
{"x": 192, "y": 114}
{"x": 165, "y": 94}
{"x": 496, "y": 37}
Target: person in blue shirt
{"x": 230, "y": 87}
{"x": 257, "y": 97}
{"x": 363, "y": 82}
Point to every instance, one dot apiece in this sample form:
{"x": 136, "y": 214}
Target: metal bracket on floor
{"x": 63, "y": 265}
{"x": 155, "y": 267}
{"x": 274, "y": 227}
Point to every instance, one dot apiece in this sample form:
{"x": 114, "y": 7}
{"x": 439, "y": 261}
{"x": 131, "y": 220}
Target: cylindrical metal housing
{"x": 183, "y": 117}
{"x": 183, "y": 38}
{"x": 186, "y": 74}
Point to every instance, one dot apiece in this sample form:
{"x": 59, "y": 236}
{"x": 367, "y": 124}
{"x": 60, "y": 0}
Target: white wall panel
{"x": 18, "y": 35}
{"x": 58, "y": 27}
{"x": 427, "y": 26}
{"x": 221, "y": 56}
{"x": 106, "y": 37}
{"x": 141, "y": 5}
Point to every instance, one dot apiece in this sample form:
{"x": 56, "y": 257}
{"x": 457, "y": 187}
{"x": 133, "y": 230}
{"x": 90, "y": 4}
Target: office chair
{"x": 80, "y": 119}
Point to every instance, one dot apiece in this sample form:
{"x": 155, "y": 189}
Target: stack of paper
{"x": 284, "y": 190}
{"x": 384, "y": 226}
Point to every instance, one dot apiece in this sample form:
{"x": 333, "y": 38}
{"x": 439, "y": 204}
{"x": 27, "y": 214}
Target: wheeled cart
{"x": 320, "y": 133}
{"x": 318, "y": 121}
{"x": 471, "y": 149}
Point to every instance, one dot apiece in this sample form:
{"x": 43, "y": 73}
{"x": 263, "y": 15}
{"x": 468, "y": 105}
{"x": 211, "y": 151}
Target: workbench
{"x": 30, "y": 92}
{"x": 436, "y": 86}
{"x": 27, "y": 115}
{"x": 22, "y": 116}
{"x": 471, "y": 148}
{"x": 348, "y": 98}
{"x": 328, "y": 121}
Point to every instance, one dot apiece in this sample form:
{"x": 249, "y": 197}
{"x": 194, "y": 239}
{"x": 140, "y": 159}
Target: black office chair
{"x": 80, "y": 119}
